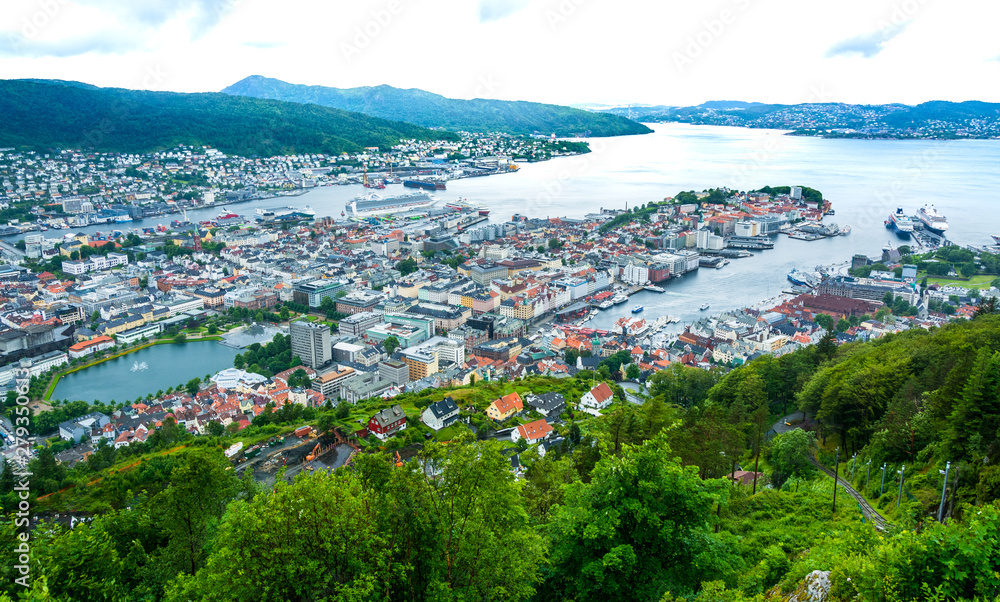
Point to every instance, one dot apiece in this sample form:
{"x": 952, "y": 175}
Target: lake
{"x": 168, "y": 366}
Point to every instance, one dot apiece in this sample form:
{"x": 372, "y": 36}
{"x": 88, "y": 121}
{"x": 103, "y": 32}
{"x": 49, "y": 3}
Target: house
{"x": 746, "y": 477}
{"x": 87, "y": 426}
{"x": 388, "y": 422}
{"x": 533, "y": 432}
{"x": 598, "y": 398}
{"x": 440, "y": 414}
{"x": 505, "y": 407}
{"x": 547, "y": 404}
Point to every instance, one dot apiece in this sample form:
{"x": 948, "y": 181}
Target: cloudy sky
{"x": 564, "y": 51}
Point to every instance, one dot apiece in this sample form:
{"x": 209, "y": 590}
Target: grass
{"x": 981, "y": 282}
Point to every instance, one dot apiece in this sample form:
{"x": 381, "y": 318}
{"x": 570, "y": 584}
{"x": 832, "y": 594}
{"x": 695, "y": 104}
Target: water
{"x": 169, "y": 366}
{"x": 865, "y": 180}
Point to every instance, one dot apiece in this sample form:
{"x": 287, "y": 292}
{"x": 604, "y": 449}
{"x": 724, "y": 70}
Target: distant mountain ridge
{"x": 433, "y": 110}
{"x": 933, "y": 119}
{"x": 51, "y": 113}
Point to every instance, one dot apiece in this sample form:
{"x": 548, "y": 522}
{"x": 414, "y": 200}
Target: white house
{"x": 533, "y": 432}
{"x": 440, "y": 414}
{"x": 598, "y": 398}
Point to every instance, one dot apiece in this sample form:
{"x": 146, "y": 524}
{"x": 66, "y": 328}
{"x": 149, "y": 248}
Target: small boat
{"x": 703, "y": 307}
{"x": 654, "y": 288}
{"x": 637, "y": 309}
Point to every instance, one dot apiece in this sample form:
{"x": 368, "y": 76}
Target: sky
{"x": 581, "y": 52}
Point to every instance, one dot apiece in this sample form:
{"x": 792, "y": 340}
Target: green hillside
{"x": 433, "y": 110}
{"x": 68, "y": 115}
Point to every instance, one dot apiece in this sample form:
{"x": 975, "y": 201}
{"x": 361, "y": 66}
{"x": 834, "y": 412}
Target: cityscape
{"x": 524, "y": 324}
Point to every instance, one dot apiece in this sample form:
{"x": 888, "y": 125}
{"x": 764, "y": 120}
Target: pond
{"x": 145, "y": 371}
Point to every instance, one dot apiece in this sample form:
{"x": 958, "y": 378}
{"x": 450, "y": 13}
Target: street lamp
{"x": 881, "y": 489}
{"x": 944, "y": 488}
{"x": 902, "y": 475}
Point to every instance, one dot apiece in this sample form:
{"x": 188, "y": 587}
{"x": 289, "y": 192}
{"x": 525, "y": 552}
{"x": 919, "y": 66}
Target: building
{"x": 356, "y": 324}
{"x": 311, "y": 342}
{"x": 547, "y": 404}
{"x": 420, "y": 362}
{"x": 329, "y": 384}
{"x": 533, "y": 432}
{"x": 388, "y": 422}
{"x": 85, "y": 427}
{"x": 394, "y": 371}
{"x": 598, "y": 398}
{"x": 357, "y": 302}
{"x": 440, "y": 414}
{"x": 505, "y": 407}
{"x": 92, "y": 346}
{"x": 499, "y": 349}
{"x": 312, "y": 292}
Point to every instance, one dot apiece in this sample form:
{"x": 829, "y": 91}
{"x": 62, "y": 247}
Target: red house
{"x": 388, "y": 422}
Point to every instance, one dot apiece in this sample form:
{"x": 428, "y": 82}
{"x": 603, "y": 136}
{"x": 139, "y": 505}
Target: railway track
{"x": 870, "y": 513}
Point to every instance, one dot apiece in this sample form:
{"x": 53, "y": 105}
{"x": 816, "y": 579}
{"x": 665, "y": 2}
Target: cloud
{"x": 17, "y": 45}
{"x": 265, "y": 44}
{"x": 867, "y": 44}
{"x": 494, "y": 10}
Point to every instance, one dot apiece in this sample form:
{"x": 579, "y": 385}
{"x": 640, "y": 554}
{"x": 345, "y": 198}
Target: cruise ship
{"x": 901, "y": 223}
{"x": 374, "y": 204}
{"x": 933, "y": 221}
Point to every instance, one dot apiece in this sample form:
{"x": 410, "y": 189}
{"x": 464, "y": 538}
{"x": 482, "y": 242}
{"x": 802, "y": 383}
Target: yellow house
{"x": 505, "y": 407}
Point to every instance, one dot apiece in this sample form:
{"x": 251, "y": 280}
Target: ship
{"x": 424, "y": 184}
{"x": 374, "y": 204}
{"x": 799, "y": 278}
{"x": 636, "y": 309}
{"x": 654, "y": 288}
{"x": 900, "y": 222}
{"x": 932, "y": 220}
{"x": 619, "y": 298}
{"x": 703, "y": 307}
{"x": 995, "y": 238}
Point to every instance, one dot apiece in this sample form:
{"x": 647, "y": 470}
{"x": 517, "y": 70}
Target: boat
{"x": 619, "y": 298}
{"x": 605, "y": 304}
{"x": 636, "y": 309}
{"x": 800, "y": 278}
{"x": 932, "y": 220}
{"x": 654, "y": 288}
{"x": 703, "y": 307}
{"x": 995, "y": 238}
{"x": 422, "y": 184}
{"x": 373, "y": 204}
{"x": 900, "y": 222}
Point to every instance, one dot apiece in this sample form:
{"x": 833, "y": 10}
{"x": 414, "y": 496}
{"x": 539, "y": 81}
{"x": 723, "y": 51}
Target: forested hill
{"x": 433, "y": 110}
{"x": 68, "y": 115}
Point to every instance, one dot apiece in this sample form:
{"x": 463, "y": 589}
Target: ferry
{"x": 900, "y": 222}
{"x": 932, "y": 220}
{"x": 654, "y": 288}
{"x": 800, "y": 278}
{"x": 373, "y": 204}
{"x": 703, "y": 307}
{"x": 995, "y": 238}
{"x": 605, "y": 304}
{"x": 619, "y": 298}
{"x": 637, "y": 309}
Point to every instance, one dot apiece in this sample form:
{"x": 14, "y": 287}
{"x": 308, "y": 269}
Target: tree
{"x": 299, "y": 378}
{"x": 216, "y": 429}
{"x": 789, "y": 456}
{"x": 843, "y": 325}
{"x": 95, "y": 317}
{"x": 632, "y": 372}
{"x": 391, "y": 343}
{"x": 637, "y": 531}
{"x": 192, "y": 386}
{"x": 554, "y": 243}
{"x": 180, "y": 338}
{"x": 825, "y": 321}
{"x": 200, "y": 487}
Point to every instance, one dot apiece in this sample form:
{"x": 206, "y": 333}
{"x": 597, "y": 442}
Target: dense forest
{"x": 630, "y": 506}
{"x": 43, "y": 115}
{"x": 433, "y": 110}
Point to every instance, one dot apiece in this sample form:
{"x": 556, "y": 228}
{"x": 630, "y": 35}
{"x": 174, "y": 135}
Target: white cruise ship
{"x": 933, "y": 221}
{"x": 375, "y": 204}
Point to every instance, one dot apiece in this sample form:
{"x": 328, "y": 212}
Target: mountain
{"x": 934, "y": 119}
{"x": 433, "y": 110}
{"x": 47, "y": 114}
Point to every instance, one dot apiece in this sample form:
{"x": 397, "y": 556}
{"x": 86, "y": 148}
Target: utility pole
{"x": 836, "y": 472}
{"x": 944, "y": 489}
{"x": 854, "y": 464}
{"x": 881, "y": 489}
{"x": 868, "y": 476}
{"x": 902, "y": 475}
